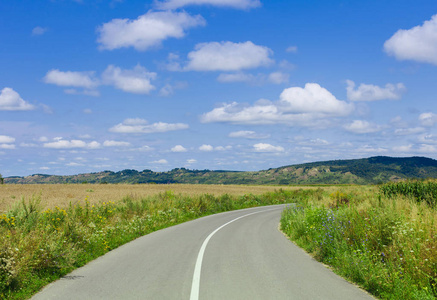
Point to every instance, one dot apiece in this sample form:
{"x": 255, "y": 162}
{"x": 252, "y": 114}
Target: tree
{"x": 2, "y": 180}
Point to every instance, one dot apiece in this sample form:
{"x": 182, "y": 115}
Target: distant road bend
{"x": 233, "y": 255}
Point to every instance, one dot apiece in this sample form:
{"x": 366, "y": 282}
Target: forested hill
{"x": 358, "y": 171}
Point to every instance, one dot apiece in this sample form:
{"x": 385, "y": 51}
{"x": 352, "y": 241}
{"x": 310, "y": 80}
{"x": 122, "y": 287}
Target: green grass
{"x": 386, "y": 245}
{"x": 37, "y": 247}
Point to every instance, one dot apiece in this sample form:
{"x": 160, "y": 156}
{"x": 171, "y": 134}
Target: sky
{"x": 93, "y": 85}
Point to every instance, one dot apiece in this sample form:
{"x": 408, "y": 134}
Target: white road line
{"x": 195, "y": 287}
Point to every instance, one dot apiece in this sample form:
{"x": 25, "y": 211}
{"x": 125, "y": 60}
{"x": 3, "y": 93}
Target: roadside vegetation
{"x": 382, "y": 238}
{"x": 39, "y": 244}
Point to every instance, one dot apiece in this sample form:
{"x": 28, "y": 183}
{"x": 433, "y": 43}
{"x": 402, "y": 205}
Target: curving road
{"x": 233, "y": 255}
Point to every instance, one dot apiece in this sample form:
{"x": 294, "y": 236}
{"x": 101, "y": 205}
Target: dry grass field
{"x": 62, "y": 194}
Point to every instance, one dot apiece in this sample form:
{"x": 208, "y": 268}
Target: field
{"x": 383, "y": 238}
{"x": 61, "y": 195}
{"x": 46, "y": 231}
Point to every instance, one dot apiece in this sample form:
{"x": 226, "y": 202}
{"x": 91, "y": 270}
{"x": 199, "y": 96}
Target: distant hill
{"x": 371, "y": 170}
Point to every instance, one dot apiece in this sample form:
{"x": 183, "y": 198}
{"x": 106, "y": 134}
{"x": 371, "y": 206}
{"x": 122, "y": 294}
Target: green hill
{"x": 354, "y": 171}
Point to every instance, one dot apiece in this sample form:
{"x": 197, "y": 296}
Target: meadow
{"x": 46, "y": 231}
{"x": 383, "y": 238}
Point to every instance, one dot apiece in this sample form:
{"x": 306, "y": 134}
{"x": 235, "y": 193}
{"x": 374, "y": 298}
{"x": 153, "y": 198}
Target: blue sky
{"x": 92, "y": 85}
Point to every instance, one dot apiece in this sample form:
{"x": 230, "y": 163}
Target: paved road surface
{"x": 239, "y": 255}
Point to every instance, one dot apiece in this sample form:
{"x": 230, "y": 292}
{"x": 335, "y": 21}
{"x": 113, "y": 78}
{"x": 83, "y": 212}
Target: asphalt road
{"x": 233, "y": 255}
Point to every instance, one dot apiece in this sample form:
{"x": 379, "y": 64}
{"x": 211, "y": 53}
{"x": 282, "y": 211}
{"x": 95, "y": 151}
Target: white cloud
{"x": 191, "y": 161}
{"x": 370, "y": 149}
{"x": 169, "y": 89}
{"x": 137, "y": 80}
{"x": 428, "y": 139}
{"x": 428, "y": 119}
{"x": 11, "y": 100}
{"x": 141, "y": 126}
{"x": 161, "y": 162}
{"x": 313, "y": 99}
{"x": 238, "y": 4}
{"x": 292, "y": 49}
{"x": 278, "y": 77}
{"x": 7, "y": 146}
{"x": 4, "y": 139}
{"x": 409, "y": 131}
{"x": 228, "y": 56}
{"x": 428, "y": 149}
{"x": 70, "y": 144}
{"x": 148, "y": 30}
{"x": 310, "y": 106}
{"x": 406, "y": 148}
{"x": 418, "y": 43}
{"x": 235, "y": 77}
{"x": 311, "y": 142}
{"x": 262, "y": 147}
{"x": 178, "y": 148}
{"x": 116, "y": 144}
{"x": 360, "y": 126}
{"x": 39, "y": 30}
{"x": 206, "y": 148}
{"x": 369, "y": 92}
{"x": 248, "y": 134}
{"x": 85, "y": 80}
{"x": 93, "y": 93}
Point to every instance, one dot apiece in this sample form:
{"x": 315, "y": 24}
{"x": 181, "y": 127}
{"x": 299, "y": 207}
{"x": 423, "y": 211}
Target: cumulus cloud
{"x": 409, "y": 131}
{"x": 206, "y": 148}
{"x": 238, "y": 4}
{"x": 7, "y": 146}
{"x": 228, "y": 56}
{"x": 309, "y": 106}
{"x": 262, "y": 147}
{"x": 369, "y": 92}
{"x": 38, "y": 30}
{"x": 292, "y": 49}
{"x": 278, "y": 77}
{"x": 141, "y": 126}
{"x": 72, "y": 79}
{"x": 418, "y": 43}
{"x": 116, "y": 144}
{"x": 11, "y": 100}
{"x": 160, "y": 161}
{"x": 235, "y": 77}
{"x": 148, "y": 30}
{"x": 178, "y": 148}
{"x": 361, "y": 126}
{"x": 428, "y": 119}
{"x": 248, "y": 134}
{"x": 428, "y": 139}
{"x": 4, "y": 139}
{"x": 137, "y": 80}
{"x": 313, "y": 99}
{"x": 405, "y": 148}
{"x": 59, "y": 143}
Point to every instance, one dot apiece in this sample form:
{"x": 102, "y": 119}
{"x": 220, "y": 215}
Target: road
{"x": 233, "y": 255}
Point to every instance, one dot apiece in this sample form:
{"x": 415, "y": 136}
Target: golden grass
{"x": 61, "y": 195}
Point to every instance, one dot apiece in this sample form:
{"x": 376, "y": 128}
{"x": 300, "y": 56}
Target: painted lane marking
{"x": 195, "y": 287}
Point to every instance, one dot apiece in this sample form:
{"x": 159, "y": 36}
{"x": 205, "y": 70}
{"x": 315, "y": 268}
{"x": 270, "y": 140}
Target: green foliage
{"x": 37, "y": 247}
{"x": 374, "y": 170}
{"x": 421, "y": 191}
{"x": 378, "y": 245}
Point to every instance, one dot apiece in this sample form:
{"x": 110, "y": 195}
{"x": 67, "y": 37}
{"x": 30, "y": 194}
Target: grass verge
{"x": 39, "y": 246}
{"x": 385, "y": 244}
